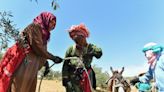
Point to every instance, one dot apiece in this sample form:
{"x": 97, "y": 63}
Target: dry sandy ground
{"x": 56, "y": 86}
{"x": 51, "y": 86}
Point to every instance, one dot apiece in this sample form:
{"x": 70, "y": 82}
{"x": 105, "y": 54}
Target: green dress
{"x": 72, "y": 75}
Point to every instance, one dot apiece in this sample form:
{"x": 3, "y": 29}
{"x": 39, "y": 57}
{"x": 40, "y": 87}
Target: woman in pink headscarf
{"x": 21, "y": 62}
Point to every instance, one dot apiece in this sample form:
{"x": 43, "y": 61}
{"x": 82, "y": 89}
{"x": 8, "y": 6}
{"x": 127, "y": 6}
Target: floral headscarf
{"x": 44, "y": 20}
{"x": 80, "y": 29}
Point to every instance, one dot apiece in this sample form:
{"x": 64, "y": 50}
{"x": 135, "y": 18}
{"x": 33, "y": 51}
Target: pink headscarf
{"x": 44, "y": 20}
{"x": 80, "y": 29}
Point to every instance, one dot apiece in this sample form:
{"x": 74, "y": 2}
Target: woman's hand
{"x": 57, "y": 59}
{"x": 134, "y": 81}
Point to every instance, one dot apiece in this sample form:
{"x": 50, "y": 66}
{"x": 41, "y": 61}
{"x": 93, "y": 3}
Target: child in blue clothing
{"x": 153, "y": 53}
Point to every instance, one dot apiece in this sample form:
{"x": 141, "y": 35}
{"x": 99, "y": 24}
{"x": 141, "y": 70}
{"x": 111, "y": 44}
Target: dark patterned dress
{"x": 73, "y": 76}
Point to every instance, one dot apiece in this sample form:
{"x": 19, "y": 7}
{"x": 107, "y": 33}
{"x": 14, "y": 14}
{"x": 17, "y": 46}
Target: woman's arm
{"x": 147, "y": 76}
{"x": 34, "y": 35}
{"x": 96, "y": 51}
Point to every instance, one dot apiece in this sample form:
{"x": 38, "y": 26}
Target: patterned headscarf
{"x": 44, "y": 20}
{"x": 153, "y": 46}
{"x": 80, "y": 29}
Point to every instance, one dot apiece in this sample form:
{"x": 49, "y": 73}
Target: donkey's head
{"x": 117, "y": 80}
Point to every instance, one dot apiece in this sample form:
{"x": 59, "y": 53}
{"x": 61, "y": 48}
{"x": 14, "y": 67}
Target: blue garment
{"x": 157, "y": 72}
{"x": 143, "y": 87}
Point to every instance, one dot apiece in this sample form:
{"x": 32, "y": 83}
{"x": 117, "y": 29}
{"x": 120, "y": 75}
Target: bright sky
{"x": 119, "y": 27}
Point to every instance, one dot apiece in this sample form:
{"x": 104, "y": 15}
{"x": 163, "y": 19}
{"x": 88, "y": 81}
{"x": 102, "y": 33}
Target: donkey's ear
{"x": 111, "y": 69}
{"x": 122, "y": 70}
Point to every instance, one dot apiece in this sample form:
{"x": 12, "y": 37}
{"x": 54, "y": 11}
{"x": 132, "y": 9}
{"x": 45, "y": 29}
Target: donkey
{"x": 117, "y": 81}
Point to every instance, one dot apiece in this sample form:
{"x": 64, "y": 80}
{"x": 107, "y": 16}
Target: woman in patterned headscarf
{"x": 74, "y": 77}
{"x": 21, "y": 62}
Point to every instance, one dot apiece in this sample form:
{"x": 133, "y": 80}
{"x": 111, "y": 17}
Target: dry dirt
{"x": 51, "y": 86}
{"x": 56, "y": 86}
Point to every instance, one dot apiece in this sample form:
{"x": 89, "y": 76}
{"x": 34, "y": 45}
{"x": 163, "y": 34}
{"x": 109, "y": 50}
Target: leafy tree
{"x": 101, "y": 77}
{"x": 51, "y": 75}
{"x": 8, "y": 31}
{"x": 57, "y": 74}
{"x": 53, "y": 4}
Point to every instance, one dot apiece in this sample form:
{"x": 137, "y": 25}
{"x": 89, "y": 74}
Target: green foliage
{"x": 54, "y": 4}
{"x": 57, "y": 74}
{"x": 1, "y": 55}
{"x": 7, "y": 29}
{"x": 51, "y": 75}
{"x": 101, "y": 77}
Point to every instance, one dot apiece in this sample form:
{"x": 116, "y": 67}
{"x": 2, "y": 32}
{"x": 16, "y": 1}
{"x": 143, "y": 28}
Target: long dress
{"x": 24, "y": 78}
{"x": 76, "y": 76}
